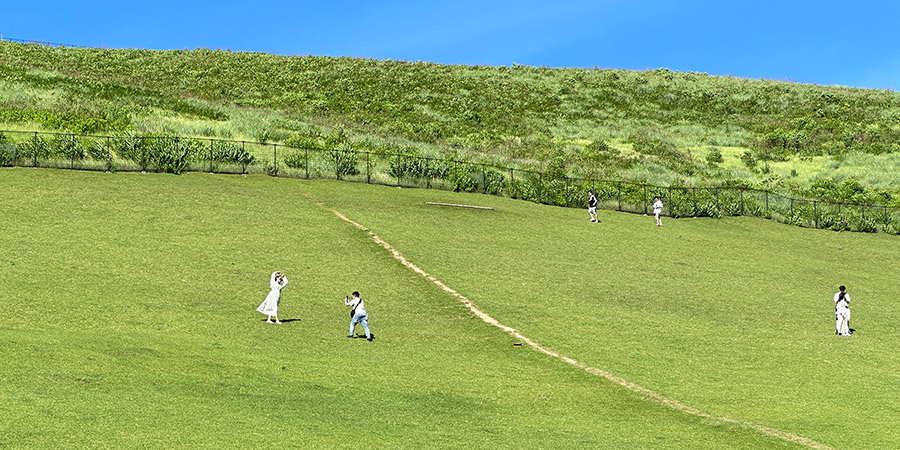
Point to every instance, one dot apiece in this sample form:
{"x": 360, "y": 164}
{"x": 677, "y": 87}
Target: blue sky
{"x": 824, "y": 42}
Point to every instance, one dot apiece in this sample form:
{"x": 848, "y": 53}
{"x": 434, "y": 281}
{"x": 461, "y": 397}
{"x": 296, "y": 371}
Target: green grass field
{"x": 128, "y": 321}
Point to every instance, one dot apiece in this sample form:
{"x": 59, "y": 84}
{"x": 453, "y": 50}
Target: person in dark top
{"x": 592, "y": 206}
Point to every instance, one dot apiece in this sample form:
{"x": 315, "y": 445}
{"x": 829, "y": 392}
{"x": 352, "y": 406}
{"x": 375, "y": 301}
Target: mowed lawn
{"x": 128, "y": 320}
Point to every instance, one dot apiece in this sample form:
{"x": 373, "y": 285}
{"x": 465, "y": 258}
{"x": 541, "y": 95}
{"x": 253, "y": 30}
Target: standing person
{"x": 842, "y": 312}
{"x": 592, "y": 206}
{"x": 657, "y": 210}
{"x": 358, "y": 315}
{"x": 269, "y": 306}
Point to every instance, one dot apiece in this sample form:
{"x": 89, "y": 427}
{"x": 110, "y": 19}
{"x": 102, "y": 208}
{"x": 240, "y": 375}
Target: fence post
{"x": 74, "y": 145}
{"x": 307, "y": 162}
{"x": 512, "y": 183}
{"x": 427, "y": 173}
{"x": 670, "y": 201}
{"x": 337, "y": 164}
{"x": 108, "y": 155}
{"x": 275, "y": 157}
{"x": 368, "y": 174}
{"x": 718, "y": 208}
{"x": 694, "y": 201}
{"x": 210, "y": 156}
{"x": 34, "y": 149}
{"x": 767, "y": 203}
{"x": 645, "y": 198}
{"x": 243, "y": 165}
{"x": 143, "y": 154}
{"x": 567, "y": 192}
{"x": 484, "y": 178}
{"x": 619, "y": 194}
{"x": 792, "y": 207}
{"x": 540, "y": 187}
{"x": 742, "y": 201}
{"x": 815, "y": 215}
{"x": 399, "y": 168}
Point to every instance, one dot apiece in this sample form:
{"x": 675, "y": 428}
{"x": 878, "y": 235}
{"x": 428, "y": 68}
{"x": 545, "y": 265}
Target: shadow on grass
{"x": 363, "y": 336}
{"x": 284, "y": 320}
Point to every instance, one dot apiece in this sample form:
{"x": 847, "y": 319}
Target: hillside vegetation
{"x": 657, "y": 126}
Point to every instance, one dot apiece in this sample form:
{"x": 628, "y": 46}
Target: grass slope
{"x": 660, "y": 126}
{"x": 731, "y": 316}
{"x": 128, "y": 321}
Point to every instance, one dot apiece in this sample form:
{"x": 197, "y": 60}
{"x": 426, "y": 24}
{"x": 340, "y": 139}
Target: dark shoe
{"x": 351, "y": 336}
{"x": 370, "y": 338}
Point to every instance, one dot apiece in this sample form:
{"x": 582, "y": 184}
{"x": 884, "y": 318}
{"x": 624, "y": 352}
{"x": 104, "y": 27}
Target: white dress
{"x": 269, "y": 306}
{"x": 657, "y": 207}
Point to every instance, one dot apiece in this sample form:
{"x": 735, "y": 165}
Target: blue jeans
{"x": 360, "y": 318}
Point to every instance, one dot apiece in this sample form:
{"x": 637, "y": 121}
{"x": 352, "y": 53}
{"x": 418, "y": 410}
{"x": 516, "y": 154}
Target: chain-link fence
{"x": 177, "y": 154}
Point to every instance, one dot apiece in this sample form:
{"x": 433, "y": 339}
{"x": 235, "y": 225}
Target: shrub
{"x": 34, "y": 148}
{"x": 172, "y": 155}
{"x": 346, "y": 162}
{"x": 9, "y": 153}
{"x": 495, "y": 181}
{"x": 231, "y": 153}
{"x": 408, "y": 164}
{"x": 714, "y": 156}
{"x": 295, "y": 160}
{"x": 97, "y": 150}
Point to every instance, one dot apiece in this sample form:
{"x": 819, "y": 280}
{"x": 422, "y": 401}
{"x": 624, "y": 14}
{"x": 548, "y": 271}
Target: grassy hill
{"x": 656, "y": 126}
{"x": 129, "y": 320}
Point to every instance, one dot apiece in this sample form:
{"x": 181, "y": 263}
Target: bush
{"x": 231, "y": 153}
{"x": 9, "y": 153}
{"x": 295, "y": 160}
{"x": 346, "y": 162}
{"x": 408, "y": 164}
{"x": 34, "y": 148}
{"x": 97, "y": 150}
{"x": 495, "y": 181}
{"x": 172, "y": 155}
{"x": 714, "y": 156}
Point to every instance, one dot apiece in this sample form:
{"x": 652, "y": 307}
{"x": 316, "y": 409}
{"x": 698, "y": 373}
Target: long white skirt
{"x": 269, "y": 306}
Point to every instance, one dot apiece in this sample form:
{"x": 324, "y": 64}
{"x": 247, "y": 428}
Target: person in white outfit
{"x": 657, "y": 210}
{"x": 358, "y": 314}
{"x": 269, "y": 306}
{"x": 842, "y": 312}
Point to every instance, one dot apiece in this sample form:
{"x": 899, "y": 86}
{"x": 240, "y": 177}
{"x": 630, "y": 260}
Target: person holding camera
{"x": 269, "y": 306}
{"x": 358, "y": 315}
{"x": 592, "y": 206}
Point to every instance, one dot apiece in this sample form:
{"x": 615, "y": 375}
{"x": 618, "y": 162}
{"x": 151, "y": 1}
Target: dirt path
{"x": 592, "y": 370}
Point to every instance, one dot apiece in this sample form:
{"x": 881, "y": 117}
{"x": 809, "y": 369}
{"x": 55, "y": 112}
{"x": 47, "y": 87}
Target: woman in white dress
{"x": 657, "y": 210}
{"x": 269, "y": 306}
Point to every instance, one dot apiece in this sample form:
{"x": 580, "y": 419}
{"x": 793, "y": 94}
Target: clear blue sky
{"x": 853, "y": 43}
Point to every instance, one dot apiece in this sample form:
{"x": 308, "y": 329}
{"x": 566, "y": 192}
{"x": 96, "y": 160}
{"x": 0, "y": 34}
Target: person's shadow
{"x": 286, "y": 320}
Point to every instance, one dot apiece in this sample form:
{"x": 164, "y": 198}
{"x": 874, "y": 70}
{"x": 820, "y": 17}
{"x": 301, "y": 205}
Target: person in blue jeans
{"x": 358, "y": 315}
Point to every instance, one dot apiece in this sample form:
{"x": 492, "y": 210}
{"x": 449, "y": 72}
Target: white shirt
{"x": 657, "y": 206}
{"x": 361, "y": 309}
{"x": 841, "y": 305}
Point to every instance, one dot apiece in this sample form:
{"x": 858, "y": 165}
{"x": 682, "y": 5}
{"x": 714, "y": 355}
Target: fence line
{"x": 44, "y": 43}
{"x": 176, "y": 154}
